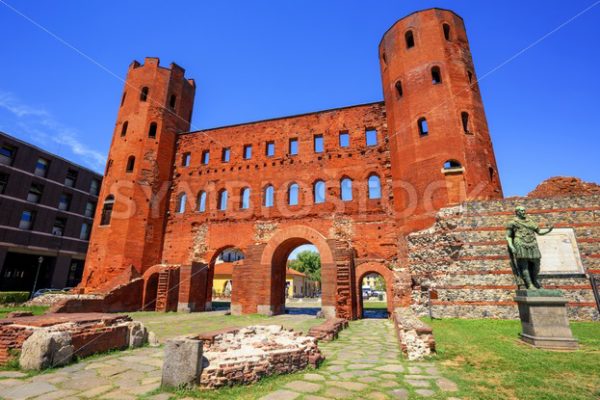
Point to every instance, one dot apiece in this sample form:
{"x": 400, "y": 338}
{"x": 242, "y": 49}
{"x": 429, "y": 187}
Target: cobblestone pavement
{"x": 364, "y": 363}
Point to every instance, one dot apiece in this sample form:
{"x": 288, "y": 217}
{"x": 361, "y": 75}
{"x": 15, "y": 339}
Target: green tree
{"x": 309, "y": 263}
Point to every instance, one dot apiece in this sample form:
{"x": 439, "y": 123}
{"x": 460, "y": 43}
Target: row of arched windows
{"x": 409, "y": 35}
{"x": 293, "y": 195}
{"x": 424, "y": 128}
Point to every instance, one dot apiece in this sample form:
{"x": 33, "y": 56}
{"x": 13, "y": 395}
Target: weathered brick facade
{"x": 190, "y": 195}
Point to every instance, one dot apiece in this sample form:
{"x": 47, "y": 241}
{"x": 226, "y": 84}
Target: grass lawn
{"x": 374, "y": 305}
{"x": 487, "y": 360}
{"x": 167, "y": 325}
{"x": 36, "y": 310}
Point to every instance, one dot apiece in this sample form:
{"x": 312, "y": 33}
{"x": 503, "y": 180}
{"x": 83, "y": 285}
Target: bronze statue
{"x": 524, "y": 250}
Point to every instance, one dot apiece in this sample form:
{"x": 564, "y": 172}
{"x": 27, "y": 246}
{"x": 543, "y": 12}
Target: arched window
{"x": 410, "y": 39}
{"x": 346, "y": 189}
{"x": 269, "y": 194}
{"x": 124, "y": 128}
{"x": 452, "y": 164}
{"x": 152, "y": 130}
{"x": 181, "y": 199}
{"x": 123, "y": 98}
{"x": 202, "y": 201}
{"x": 398, "y": 86}
{"x": 223, "y": 200}
{"x": 464, "y": 116}
{"x": 319, "y": 192}
{"x": 436, "y": 76}
{"x": 144, "y": 94}
{"x": 470, "y": 75}
{"x": 245, "y": 198}
{"x": 293, "y": 194}
{"x": 423, "y": 128}
{"x": 492, "y": 174}
{"x": 374, "y": 187}
{"x": 446, "y": 28}
{"x": 130, "y": 164}
{"x": 172, "y": 101}
{"x": 107, "y": 208}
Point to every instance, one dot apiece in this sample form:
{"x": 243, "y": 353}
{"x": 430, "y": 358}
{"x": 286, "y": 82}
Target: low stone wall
{"x": 414, "y": 336}
{"x": 51, "y": 340}
{"x": 238, "y": 356}
{"x": 461, "y": 268}
{"x": 329, "y": 329}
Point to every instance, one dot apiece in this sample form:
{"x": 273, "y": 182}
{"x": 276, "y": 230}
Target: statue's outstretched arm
{"x": 550, "y": 228}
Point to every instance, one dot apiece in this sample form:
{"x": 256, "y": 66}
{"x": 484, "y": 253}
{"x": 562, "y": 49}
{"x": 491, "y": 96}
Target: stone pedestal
{"x": 182, "y": 364}
{"x": 544, "y": 319}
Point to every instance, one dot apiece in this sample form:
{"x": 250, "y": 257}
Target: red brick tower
{"x": 441, "y": 151}
{"x": 129, "y": 223}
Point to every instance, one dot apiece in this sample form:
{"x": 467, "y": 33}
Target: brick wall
{"x": 463, "y": 258}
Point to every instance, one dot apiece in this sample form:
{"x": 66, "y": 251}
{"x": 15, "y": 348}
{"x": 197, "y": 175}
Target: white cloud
{"x": 43, "y": 128}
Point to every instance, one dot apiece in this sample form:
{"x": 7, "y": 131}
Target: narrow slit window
{"x": 223, "y": 200}
{"x": 464, "y": 116}
{"x": 410, "y": 39}
{"x": 205, "y": 157}
{"x": 181, "y": 200}
{"x": 144, "y": 94}
{"x": 107, "y": 208}
{"x": 423, "y": 128}
{"x": 319, "y": 192}
{"x": 123, "y": 98}
{"x": 245, "y": 199}
{"x": 186, "y": 159}
{"x": 124, "y": 128}
{"x": 202, "y": 201}
{"x": 269, "y": 194}
{"x": 225, "y": 155}
{"x": 152, "y": 130}
{"x": 398, "y": 86}
{"x": 470, "y": 75}
{"x": 346, "y": 189}
{"x": 172, "y": 102}
{"x": 492, "y": 174}
{"x": 436, "y": 76}
{"x": 293, "y": 193}
{"x": 130, "y": 164}
{"x": 446, "y": 28}
{"x": 247, "y": 152}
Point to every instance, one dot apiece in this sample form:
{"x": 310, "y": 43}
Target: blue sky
{"x": 261, "y": 59}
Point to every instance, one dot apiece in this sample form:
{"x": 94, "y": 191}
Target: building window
{"x": 464, "y": 117}
{"x": 124, "y": 128}
{"x": 270, "y": 149}
{"x": 172, "y": 102}
{"x": 371, "y": 137}
{"x": 7, "y": 154}
{"x": 58, "y": 229}
{"x": 90, "y": 209}
{"x": 27, "y": 219}
{"x": 398, "y": 87}
{"x": 94, "y": 187}
{"x": 269, "y": 194}
{"x": 346, "y": 189}
{"x": 247, "y": 152}
{"x": 64, "y": 202}
{"x": 293, "y": 193}
{"x": 71, "y": 178}
{"x": 446, "y": 28}
{"x": 319, "y": 192}
{"x": 374, "y": 187}
{"x": 35, "y": 193}
{"x": 123, "y": 98}
{"x": 452, "y": 165}
{"x": 245, "y": 198}
{"x": 318, "y": 144}
{"x": 152, "y": 130}
{"x": 202, "y": 201}
{"x": 436, "y": 76}
{"x": 293, "y": 150}
{"x": 205, "y": 157}
{"x": 470, "y": 76}
{"x": 41, "y": 167}
{"x": 181, "y": 199}
{"x": 84, "y": 234}
{"x": 344, "y": 139}
{"x": 409, "y": 37}
{"x": 225, "y": 154}
{"x": 223, "y": 200}
{"x": 130, "y": 164}
{"x": 144, "y": 94}
{"x": 186, "y": 159}
{"x": 423, "y": 128}
{"x": 3, "y": 182}
{"x": 492, "y": 173}
{"x": 107, "y": 209}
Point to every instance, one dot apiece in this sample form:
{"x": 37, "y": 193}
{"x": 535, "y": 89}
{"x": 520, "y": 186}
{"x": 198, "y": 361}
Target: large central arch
{"x": 261, "y": 279}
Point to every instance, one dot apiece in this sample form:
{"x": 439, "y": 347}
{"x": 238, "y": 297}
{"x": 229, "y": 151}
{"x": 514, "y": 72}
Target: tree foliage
{"x": 309, "y": 263}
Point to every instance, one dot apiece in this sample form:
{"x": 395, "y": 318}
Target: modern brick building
{"x": 354, "y": 181}
{"x": 47, "y": 206}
